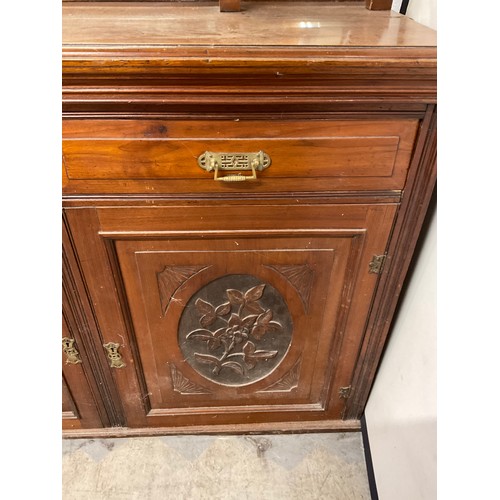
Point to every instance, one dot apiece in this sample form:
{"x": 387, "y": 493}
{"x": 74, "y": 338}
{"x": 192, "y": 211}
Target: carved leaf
{"x": 223, "y": 309}
{"x": 254, "y": 293}
{"x": 200, "y": 334}
{"x": 235, "y": 297}
{"x": 249, "y": 348}
{"x": 208, "y": 319}
{"x": 265, "y": 317}
{"x": 264, "y": 325}
{"x": 258, "y": 331}
{"x": 254, "y": 308}
{"x": 207, "y": 359}
{"x": 234, "y": 320}
{"x": 208, "y": 312}
{"x": 264, "y": 354}
{"x": 252, "y": 356}
{"x": 273, "y": 326}
{"x": 204, "y": 307}
{"x": 233, "y": 366}
{"x": 248, "y": 321}
{"x": 213, "y": 344}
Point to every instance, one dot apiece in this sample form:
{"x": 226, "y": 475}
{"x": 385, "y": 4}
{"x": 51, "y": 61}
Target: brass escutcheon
{"x": 113, "y": 355}
{"x": 72, "y": 355}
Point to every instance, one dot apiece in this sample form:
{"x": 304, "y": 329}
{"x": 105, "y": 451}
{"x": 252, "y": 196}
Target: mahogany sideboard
{"x": 242, "y": 196}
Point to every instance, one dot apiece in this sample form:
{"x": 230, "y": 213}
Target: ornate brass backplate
{"x": 236, "y": 330}
{"x": 115, "y": 359}
{"x": 72, "y": 355}
{"x": 215, "y": 162}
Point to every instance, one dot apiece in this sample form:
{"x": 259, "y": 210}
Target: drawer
{"x": 161, "y": 155}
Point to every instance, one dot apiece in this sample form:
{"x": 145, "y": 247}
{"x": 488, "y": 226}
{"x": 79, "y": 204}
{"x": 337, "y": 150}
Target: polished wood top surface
{"x": 282, "y": 24}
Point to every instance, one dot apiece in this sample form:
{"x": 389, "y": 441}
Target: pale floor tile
{"x": 274, "y": 467}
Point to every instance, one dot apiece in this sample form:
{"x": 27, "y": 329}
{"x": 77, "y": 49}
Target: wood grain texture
{"x": 142, "y": 57}
{"x": 337, "y": 155}
{"x": 183, "y": 234}
{"x": 82, "y": 403}
{"x": 343, "y": 99}
{"x": 100, "y": 398}
{"x": 276, "y": 24}
{"x": 399, "y": 256}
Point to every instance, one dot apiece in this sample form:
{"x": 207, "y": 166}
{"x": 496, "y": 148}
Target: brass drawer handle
{"x": 218, "y": 162}
{"x": 114, "y": 356}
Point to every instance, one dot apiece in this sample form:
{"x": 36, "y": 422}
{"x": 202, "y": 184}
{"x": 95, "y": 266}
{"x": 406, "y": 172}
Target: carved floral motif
{"x": 244, "y": 321}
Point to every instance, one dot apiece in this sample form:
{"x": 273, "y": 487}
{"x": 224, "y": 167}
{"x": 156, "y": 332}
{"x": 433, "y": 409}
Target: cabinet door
{"x": 79, "y": 408}
{"x": 231, "y": 314}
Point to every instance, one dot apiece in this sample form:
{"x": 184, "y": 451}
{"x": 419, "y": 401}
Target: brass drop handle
{"x": 220, "y": 162}
{"x": 236, "y": 178}
{"x": 115, "y": 358}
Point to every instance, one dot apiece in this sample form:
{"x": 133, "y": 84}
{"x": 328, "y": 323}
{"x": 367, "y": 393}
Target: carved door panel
{"x": 232, "y": 320}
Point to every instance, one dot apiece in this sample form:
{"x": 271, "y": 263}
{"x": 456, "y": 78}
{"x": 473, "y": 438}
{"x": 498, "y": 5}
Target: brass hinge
{"x": 376, "y": 264}
{"x": 345, "y": 392}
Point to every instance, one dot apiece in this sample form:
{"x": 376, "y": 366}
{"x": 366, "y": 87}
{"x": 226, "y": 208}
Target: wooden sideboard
{"x": 242, "y": 196}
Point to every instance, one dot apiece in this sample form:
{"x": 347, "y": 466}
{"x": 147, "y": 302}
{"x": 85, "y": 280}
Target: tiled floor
{"x": 274, "y": 467}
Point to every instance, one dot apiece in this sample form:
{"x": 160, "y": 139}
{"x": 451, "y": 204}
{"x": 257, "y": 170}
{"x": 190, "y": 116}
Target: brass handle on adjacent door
{"x": 72, "y": 355}
{"x": 113, "y": 355}
{"x": 220, "y": 162}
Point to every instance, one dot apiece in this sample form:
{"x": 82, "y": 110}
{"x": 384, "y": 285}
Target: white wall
{"x": 401, "y": 415}
{"x": 423, "y": 11}
{"x": 401, "y": 410}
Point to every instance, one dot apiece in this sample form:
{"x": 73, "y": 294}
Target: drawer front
{"x": 312, "y": 155}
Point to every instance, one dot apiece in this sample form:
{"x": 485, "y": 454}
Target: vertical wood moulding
{"x": 340, "y": 325}
{"x": 416, "y": 199}
{"x": 78, "y": 312}
{"x": 80, "y": 331}
{"x": 122, "y": 298}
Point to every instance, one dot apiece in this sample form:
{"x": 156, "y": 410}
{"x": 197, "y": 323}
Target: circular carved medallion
{"x": 235, "y": 330}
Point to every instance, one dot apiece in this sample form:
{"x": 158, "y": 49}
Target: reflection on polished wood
{"x": 229, "y": 5}
{"x": 292, "y": 24}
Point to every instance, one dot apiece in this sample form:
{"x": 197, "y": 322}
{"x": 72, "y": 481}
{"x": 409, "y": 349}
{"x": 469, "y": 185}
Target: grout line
{"x": 368, "y": 459}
